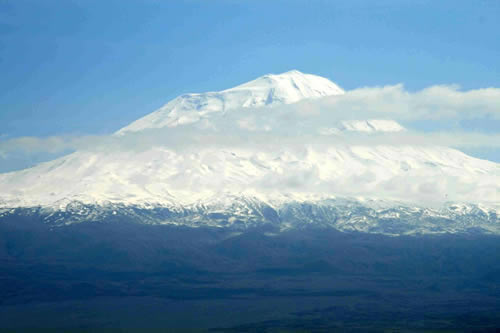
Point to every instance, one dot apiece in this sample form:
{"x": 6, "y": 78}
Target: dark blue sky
{"x": 91, "y": 67}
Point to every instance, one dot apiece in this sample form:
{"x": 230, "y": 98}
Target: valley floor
{"x": 128, "y": 277}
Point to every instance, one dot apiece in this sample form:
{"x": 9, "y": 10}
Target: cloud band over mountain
{"x": 446, "y": 106}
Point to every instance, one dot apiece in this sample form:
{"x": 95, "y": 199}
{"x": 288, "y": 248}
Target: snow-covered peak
{"x": 288, "y": 87}
{"x": 267, "y": 90}
{"x": 288, "y": 164}
{"x": 372, "y": 125}
{"x": 363, "y": 126}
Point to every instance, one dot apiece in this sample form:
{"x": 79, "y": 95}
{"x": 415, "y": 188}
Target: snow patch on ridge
{"x": 363, "y": 126}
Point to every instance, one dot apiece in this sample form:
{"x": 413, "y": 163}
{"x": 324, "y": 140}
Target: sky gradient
{"x": 92, "y": 67}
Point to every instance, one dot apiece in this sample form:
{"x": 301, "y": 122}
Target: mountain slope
{"x": 165, "y": 177}
{"x": 268, "y": 90}
{"x": 220, "y": 184}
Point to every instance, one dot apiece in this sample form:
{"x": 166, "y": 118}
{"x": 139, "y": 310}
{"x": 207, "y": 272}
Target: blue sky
{"x": 92, "y": 67}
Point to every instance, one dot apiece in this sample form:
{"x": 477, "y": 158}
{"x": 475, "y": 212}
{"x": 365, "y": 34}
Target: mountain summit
{"x": 244, "y": 179}
{"x": 267, "y": 90}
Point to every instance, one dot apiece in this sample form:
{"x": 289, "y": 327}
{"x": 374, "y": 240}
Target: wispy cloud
{"x": 303, "y": 123}
{"x": 432, "y": 103}
{"x": 52, "y": 144}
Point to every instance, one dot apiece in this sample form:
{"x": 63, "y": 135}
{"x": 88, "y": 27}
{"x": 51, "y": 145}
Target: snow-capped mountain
{"x": 268, "y": 90}
{"x": 395, "y": 189}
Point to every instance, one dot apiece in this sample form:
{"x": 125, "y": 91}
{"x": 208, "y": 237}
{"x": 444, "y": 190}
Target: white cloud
{"x": 304, "y": 122}
{"x": 52, "y": 144}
